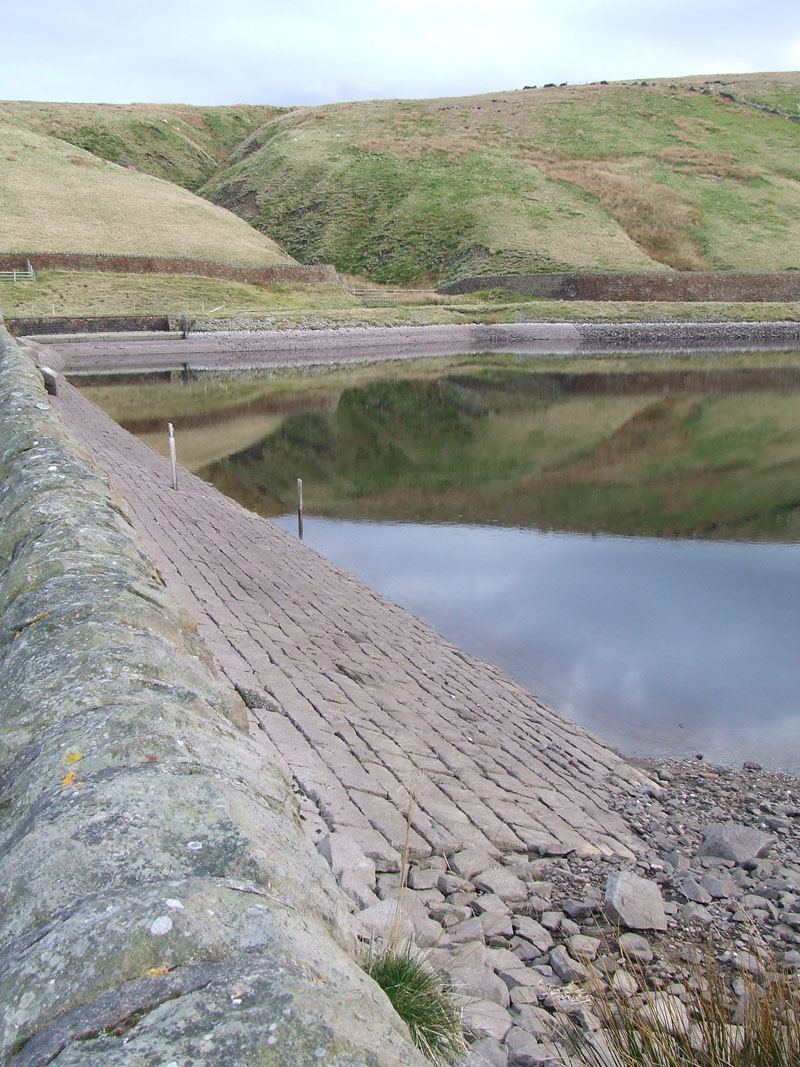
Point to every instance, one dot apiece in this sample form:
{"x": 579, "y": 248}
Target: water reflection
{"x": 667, "y": 648}
{"x": 661, "y": 646}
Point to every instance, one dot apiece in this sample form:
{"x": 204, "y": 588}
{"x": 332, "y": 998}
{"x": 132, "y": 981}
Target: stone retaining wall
{"x": 159, "y": 902}
{"x": 658, "y": 286}
{"x": 270, "y": 274}
{"x": 68, "y": 324}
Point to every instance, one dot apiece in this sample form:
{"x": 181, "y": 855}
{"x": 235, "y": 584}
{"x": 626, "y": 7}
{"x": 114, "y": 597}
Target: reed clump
{"x": 747, "y": 1015}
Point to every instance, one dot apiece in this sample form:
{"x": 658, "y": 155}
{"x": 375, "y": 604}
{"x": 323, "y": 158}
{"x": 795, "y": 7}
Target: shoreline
{"x": 521, "y": 820}
{"x": 244, "y": 350}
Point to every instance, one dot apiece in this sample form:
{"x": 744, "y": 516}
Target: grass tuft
{"x": 726, "y": 1020}
{"x": 421, "y": 999}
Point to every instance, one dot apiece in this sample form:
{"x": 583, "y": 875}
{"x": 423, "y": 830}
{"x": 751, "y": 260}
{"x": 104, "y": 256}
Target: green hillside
{"x": 695, "y": 173}
{"x": 621, "y": 176}
{"x": 184, "y": 145}
{"x": 56, "y": 197}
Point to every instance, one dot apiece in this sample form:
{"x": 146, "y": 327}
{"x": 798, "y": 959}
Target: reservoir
{"x": 621, "y": 536}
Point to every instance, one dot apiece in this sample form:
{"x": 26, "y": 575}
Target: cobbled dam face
{"x": 159, "y": 899}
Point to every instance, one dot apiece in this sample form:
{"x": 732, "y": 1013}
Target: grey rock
{"x": 693, "y": 891}
{"x": 469, "y": 930}
{"x": 403, "y": 916}
{"x": 733, "y": 841}
{"x": 488, "y": 1052}
{"x": 502, "y": 882}
{"x": 568, "y": 927}
{"x": 453, "y": 883}
{"x": 476, "y": 982}
{"x": 469, "y": 861}
{"x": 578, "y": 910}
{"x": 496, "y": 925}
{"x": 636, "y": 947}
{"x": 523, "y": 1048}
{"x": 584, "y": 948}
{"x": 535, "y": 1020}
{"x": 719, "y": 887}
{"x": 486, "y": 902}
{"x": 354, "y": 871}
{"x": 634, "y": 902}
{"x": 665, "y": 1011}
{"x": 485, "y": 1018}
{"x": 534, "y": 932}
{"x": 624, "y": 984}
{"x": 567, "y": 969}
{"x": 423, "y": 878}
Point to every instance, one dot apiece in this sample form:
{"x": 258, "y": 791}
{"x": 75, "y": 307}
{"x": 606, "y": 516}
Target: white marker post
{"x": 172, "y": 456}
{"x": 300, "y": 508}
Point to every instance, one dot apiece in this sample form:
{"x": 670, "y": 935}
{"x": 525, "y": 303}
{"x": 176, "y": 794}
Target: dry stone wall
{"x": 658, "y": 286}
{"x": 71, "y": 324}
{"x": 269, "y": 274}
{"x": 158, "y": 902}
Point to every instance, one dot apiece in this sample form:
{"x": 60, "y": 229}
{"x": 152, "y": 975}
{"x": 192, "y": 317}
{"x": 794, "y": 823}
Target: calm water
{"x": 625, "y": 542}
{"x": 662, "y": 647}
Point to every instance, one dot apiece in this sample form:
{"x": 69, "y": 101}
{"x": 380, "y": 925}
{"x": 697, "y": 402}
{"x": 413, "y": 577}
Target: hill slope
{"x": 687, "y": 174}
{"x": 696, "y": 173}
{"x": 56, "y": 197}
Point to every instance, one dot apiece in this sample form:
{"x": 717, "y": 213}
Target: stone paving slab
{"x": 370, "y": 708}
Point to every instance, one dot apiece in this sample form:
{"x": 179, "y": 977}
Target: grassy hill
{"x": 57, "y": 197}
{"x": 695, "y": 173}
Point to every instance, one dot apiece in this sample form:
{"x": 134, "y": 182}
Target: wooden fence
{"x": 26, "y": 275}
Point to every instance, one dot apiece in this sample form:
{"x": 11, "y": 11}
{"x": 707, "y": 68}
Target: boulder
{"x": 732, "y": 841}
{"x": 634, "y": 902}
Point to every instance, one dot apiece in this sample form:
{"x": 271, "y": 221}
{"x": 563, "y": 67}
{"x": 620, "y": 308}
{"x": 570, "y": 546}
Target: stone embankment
{"x": 160, "y": 903}
{"x": 535, "y": 852}
{"x": 238, "y": 351}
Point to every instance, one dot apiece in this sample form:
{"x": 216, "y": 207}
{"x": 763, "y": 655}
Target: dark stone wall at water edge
{"x": 269, "y": 274}
{"x": 159, "y": 902}
{"x": 70, "y": 324}
{"x": 783, "y": 286}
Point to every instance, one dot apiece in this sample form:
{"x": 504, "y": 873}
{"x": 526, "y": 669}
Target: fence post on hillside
{"x": 300, "y": 508}
{"x": 172, "y": 458}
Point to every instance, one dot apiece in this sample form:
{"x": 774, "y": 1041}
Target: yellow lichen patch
{"x": 68, "y": 778}
{"x": 73, "y": 756}
{"x": 154, "y": 971}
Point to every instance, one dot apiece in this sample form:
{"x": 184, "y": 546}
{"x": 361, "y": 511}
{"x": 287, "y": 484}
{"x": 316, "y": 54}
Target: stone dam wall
{"x": 732, "y": 286}
{"x": 159, "y": 902}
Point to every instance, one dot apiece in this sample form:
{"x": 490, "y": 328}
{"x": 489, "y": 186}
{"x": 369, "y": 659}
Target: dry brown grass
{"x": 656, "y": 217}
{"x": 54, "y": 197}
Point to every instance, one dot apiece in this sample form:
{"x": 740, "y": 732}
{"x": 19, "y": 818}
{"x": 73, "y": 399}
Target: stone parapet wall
{"x": 269, "y": 274}
{"x": 731, "y": 286}
{"x": 159, "y": 902}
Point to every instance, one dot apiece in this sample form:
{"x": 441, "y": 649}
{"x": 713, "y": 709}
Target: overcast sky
{"x": 316, "y": 51}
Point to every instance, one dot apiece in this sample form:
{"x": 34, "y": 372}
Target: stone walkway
{"x": 372, "y": 711}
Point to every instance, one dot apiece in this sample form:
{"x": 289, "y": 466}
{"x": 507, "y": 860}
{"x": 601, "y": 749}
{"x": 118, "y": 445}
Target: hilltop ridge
{"x": 666, "y": 174}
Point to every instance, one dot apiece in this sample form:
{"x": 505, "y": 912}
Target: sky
{"x": 314, "y": 52}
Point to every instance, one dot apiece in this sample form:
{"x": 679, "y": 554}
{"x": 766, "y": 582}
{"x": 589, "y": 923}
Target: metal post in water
{"x": 300, "y": 508}
{"x": 172, "y": 458}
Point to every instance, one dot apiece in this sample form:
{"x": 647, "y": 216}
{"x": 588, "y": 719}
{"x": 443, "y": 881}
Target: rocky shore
{"x": 520, "y": 937}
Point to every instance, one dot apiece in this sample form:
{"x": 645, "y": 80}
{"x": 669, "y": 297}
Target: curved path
{"x": 368, "y": 706}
